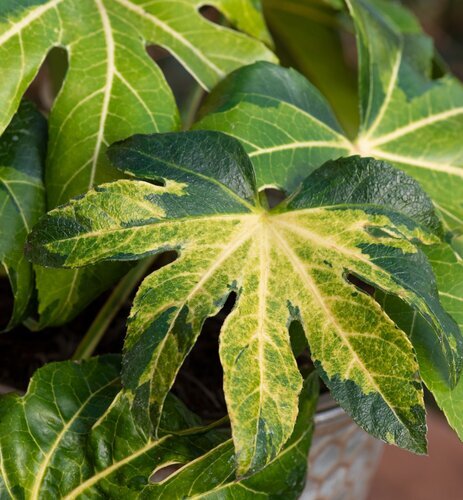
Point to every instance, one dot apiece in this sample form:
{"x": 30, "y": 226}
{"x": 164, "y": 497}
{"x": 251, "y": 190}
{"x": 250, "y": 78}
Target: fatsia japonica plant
{"x": 329, "y": 245}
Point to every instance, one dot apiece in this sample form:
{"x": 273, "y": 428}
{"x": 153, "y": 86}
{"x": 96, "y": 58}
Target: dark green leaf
{"x": 68, "y": 437}
{"x": 407, "y": 118}
{"x": 22, "y": 200}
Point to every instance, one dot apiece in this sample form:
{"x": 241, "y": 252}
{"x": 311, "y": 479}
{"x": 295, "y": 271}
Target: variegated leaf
{"x": 407, "y": 118}
{"x": 112, "y": 90}
{"x": 22, "y": 201}
{"x": 288, "y": 263}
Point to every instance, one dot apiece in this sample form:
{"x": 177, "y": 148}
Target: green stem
{"x": 107, "y": 313}
{"x": 194, "y": 103}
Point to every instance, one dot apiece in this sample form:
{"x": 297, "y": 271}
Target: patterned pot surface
{"x": 343, "y": 457}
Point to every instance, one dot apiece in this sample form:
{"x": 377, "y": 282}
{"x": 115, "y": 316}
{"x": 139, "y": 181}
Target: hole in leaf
{"x": 361, "y": 285}
{"x": 199, "y": 383}
{"x": 49, "y": 79}
{"x": 211, "y": 13}
{"x": 382, "y": 232}
{"x": 164, "y": 472}
{"x": 297, "y": 338}
{"x": 178, "y": 78}
{"x": 7, "y": 302}
{"x": 113, "y": 339}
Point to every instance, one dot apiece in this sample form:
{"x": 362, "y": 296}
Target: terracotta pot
{"x": 343, "y": 457}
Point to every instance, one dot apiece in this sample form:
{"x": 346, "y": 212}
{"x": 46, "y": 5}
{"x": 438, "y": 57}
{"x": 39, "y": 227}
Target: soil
{"x": 199, "y": 382}
{"x": 22, "y": 352}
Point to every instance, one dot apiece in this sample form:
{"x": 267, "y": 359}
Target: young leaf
{"x": 213, "y": 475}
{"x": 287, "y": 263}
{"x": 407, "y": 118}
{"x": 112, "y": 90}
{"x": 22, "y": 200}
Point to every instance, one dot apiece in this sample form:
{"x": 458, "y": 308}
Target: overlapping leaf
{"x": 72, "y": 436}
{"x": 22, "y": 200}
{"x": 448, "y": 268}
{"x": 407, "y": 118}
{"x": 213, "y": 475}
{"x": 288, "y": 263}
{"x": 299, "y": 28}
{"x": 112, "y": 90}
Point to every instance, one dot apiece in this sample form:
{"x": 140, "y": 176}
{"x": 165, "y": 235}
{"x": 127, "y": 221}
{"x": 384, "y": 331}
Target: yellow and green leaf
{"x": 407, "y": 118}
{"x": 112, "y": 90}
{"x": 354, "y": 217}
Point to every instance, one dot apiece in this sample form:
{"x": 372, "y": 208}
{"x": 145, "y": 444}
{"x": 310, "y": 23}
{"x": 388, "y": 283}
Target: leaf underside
{"x": 285, "y": 264}
{"x": 112, "y": 90}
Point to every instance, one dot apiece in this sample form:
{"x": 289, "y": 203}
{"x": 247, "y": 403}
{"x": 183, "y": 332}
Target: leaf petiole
{"x": 108, "y": 312}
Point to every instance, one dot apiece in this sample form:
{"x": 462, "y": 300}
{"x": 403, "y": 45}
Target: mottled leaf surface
{"x": 22, "y": 201}
{"x": 407, "y": 118}
{"x": 112, "y": 90}
{"x": 288, "y": 263}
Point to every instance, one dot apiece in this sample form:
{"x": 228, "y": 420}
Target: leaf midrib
{"x": 307, "y": 281}
{"x": 34, "y": 14}
{"x": 49, "y": 455}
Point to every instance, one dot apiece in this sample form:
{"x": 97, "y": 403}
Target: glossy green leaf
{"x": 407, "y": 118}
{"x": 213, "y": 475}
{"x": 112, "y": 90}
{"x": 72, "y": 436}
{"x": 22, "y": 201}
{"x": 286, "y": 126}
{"x": 284, "y": 264}
{"x": 42, "y": 434}
{"x": 299, "y": 28}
